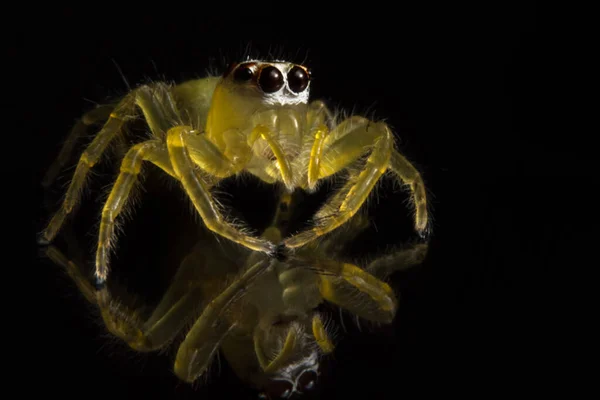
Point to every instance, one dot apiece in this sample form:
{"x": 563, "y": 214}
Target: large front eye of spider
{"x": 270, "y": 79}
{"x": 297, "y": 79}
{"x": 243, "y": 73}
{"x": 278, "y": 389}
{"x": 307, "y": 381}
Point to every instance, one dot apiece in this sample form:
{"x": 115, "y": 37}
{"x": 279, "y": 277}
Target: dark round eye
{"x": 243, "y": 74}
{"x": 270, "y": 79}
{"x": 279, "y": 389}
{"x": 307, "y": 380}
{"x": 297, "y": 79}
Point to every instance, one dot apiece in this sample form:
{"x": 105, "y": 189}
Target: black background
{"x": 482, "y": 99}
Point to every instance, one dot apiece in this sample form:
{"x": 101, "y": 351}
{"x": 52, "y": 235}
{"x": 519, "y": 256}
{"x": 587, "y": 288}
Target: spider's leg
{"x": 319, "y": 113}
{"x": 197, "y": 190}
{"x": 409, "y": 175}
{"x": 339, "y": 155}
{"x": 210, "y": 329}
{"x": 74, "y": 271}
{"x": 355, "y": 290}
{"x": 335, "y": 243}
{"x": 158, "y": 117}
{"x": 131, "y": 165}
{"x": 179, "y": 303}
{"x": 100, "y": 113}
{"x": 322, "y": 137}
{"x": 386, "y": 265}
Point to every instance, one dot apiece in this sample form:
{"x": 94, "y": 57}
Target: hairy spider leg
{"x": 345, "y": 145}
{"x": 211, "y": 328}
{"x": 198, "y": 192}
{"x": 131, "y": 166}
{"x": 386, "y": 265}
{"x": 353, "y": 289}
{"x": 363, "y": 292}
{"x": 409, "y": 175}
{"x": 100, "y": 113}
{"x": 173, "y": 312}
{"x": 175, "y": 161}
{"x": 122, "y": 112}
{"x": 203, "y": 340}
{"x": 338, "y": 156}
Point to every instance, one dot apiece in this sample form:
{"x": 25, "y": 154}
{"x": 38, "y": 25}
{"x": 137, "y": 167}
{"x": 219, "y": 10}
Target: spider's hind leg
{"x": 100, "y": 113}
{"x": 384, "y": 266}
{"x": 127, "y": 323}
{"x": 159, "y": 112}
{"x": 409, "y": 175}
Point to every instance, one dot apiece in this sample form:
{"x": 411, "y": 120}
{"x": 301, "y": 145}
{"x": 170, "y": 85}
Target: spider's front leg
{"x": 342, "y": 147}
{"x": 175, "y": 161}
{"x": 210, "y": 329}
{"x": 363, "y": 291}
{"x": 178, "y": 143}
{"x": 356, "y": 290}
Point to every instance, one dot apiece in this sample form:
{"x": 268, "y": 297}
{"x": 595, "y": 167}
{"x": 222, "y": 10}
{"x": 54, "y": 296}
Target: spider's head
{"x": 300, "y": 380}
{"x": 294, "y": 356}
{"x": 254, "y": 88}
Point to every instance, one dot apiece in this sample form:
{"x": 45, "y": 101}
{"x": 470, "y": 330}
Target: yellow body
{"x": 256, "y": 118}
{"x": 260, "y": 312}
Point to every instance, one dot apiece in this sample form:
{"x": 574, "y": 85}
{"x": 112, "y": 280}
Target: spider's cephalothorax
{"x": 260, "y": 115}
{"x": 256, "y": 118}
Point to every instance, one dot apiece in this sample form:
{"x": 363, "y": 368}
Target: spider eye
{"x": 279, "y": 389}
{"x": 307, "y": 380}
{"x": 270, "y": 79}
{"x": 230, "y": 68}
{"x": 297, "y": 79}
{"x": 243, "y": 74}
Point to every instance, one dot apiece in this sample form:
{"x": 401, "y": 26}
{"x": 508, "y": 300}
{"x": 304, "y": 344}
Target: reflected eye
{"x": 278, "y": 389}
{"x": 297, "y": 79}
{"x": 243, "y": 74}
{"x": 270, "y": 79}
{"x": 307, "y": 381}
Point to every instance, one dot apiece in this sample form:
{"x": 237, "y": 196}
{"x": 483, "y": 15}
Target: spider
{"x": 255, "y": 118}
{"x": 261, "y": 312}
